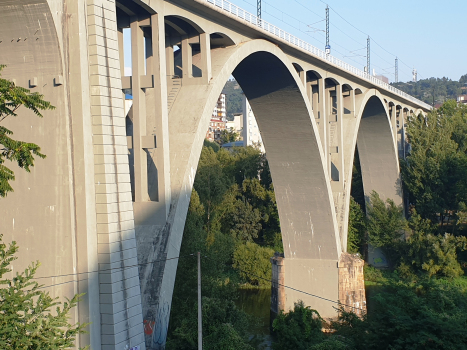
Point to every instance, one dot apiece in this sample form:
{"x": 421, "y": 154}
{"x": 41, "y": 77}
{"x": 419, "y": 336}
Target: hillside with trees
{"x": 434, "y": 90}
{"x": 233, "y": 98}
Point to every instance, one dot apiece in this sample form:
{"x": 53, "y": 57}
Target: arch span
{"x": 379, "y": 162}
{"x": 302, "y": 187}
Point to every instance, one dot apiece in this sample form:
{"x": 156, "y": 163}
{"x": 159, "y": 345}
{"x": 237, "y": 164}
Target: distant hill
{"x": 233, "y": 98}
{"x": 441, "y": 89}
{"x": 434, "y": 90}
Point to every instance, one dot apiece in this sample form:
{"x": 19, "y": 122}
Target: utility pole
{"x": 396, "y": 74}
{"x": 200, "y": 315}
{"x": 368, "y": 55}
{"x": 328, "y": 47}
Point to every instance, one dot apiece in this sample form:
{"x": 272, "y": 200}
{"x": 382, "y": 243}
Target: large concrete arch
{"x": 305, "y": 204}
{"x": 374, "y": 139}
{"x": 78, "y": 202}
{"x": 286, "y": 125}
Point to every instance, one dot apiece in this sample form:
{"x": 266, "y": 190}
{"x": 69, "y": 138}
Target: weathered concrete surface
{"x": 277, "y": 285}
{"x": 73, "y": 212}
{"x": 352, "y": 284}
{"x": 80, "y": 212}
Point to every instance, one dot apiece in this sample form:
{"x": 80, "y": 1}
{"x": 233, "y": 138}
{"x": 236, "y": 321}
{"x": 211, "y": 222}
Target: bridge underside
{"x": 112, "y": 195}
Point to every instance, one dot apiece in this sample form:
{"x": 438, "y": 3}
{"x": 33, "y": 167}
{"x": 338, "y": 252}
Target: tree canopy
{"x": 26, "y": 317}
{"x": 12, "y": 97}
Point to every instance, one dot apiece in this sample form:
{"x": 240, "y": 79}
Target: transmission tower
{"x": 328, "y": 47}
{"x": 258, "y": 8}
{"x": 368, "y": 55}
{"x": 396, "y": 73}
{"x": 414, "y": 75}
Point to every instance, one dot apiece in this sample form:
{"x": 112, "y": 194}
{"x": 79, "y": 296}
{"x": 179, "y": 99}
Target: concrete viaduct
{"x": 114, "y": 189}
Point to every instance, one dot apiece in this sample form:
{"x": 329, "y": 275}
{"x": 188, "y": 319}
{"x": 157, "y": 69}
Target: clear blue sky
{"x": 430, "y": 36}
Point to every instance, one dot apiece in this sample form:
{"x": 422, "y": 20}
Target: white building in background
{"x": 236, "y": 125}
{"x": 218, "y": 120}
{"x": 251, "y": 134}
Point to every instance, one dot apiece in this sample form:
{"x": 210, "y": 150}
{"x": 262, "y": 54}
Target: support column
{"x": 323, "y": 119}
{"x": 394, "y": 123}
{"x": 187, "y": 59}
{"x": 205, "y": 64}
{"x": 302, "y": 75}
{"x": 139, "y": 111}
{"x": 336, "y": 162}
{"x": 158, "y": 114}
{"x": 121, "y": 50}
{"x": 340, "y": 135}
{"x": 169, "y": 55}
{"x": 277, "y": 285}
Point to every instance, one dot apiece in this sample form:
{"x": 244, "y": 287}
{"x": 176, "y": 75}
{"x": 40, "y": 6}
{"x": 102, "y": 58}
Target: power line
{"x": 113, "y": 268}
{"x": 295, "y": 289}
{"x": 102, "y": 270}
{"x": 304, "y": 32}
{"x": 374, "y": 41}
{"x": 178, "y": 257}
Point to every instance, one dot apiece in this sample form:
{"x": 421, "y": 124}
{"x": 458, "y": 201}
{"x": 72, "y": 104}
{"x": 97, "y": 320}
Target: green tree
{"x": 427, "y": 251}
{"x": 253, "y": 263}
{"x": 214, "y": 145}
{"x": 298, "y": 329}
{"x": 12, "y": 97}
{"x": 421, "y": 314}
{"x": 385, "y": 226}
{"x": 225, "y": 327}
{"x": 357, "y": 227}
{"x": 245, "y": 221}
{"x": 228, "y": 136}
{"x": 26, "y": 319}
{"x": 434, "y": 171}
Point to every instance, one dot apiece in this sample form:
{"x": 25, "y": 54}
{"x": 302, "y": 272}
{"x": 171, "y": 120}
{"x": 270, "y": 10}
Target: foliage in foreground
{"x": 414, "y": 247}
{"x": 409, "y": 314}
{"x": 418, "y": 314}
{"x": 298, "y": 329}
{"x": 26, "y": 320}
{"x": 22, "y": 153}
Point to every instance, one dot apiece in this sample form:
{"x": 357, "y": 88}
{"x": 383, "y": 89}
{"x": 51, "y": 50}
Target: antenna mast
{"x": 328, "y": 47}
{"x": 368, "y": 55}
{"x": 396, "y": 73}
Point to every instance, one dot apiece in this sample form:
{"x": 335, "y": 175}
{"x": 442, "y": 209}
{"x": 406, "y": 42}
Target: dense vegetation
{"x": 26, "y": 317}
{"x": 232, "y": 219}
{"x": 420, "y": 301}
{"x": 434, "y": 90}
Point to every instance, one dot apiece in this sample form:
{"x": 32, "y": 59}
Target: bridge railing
{"x": 293, "y": 40}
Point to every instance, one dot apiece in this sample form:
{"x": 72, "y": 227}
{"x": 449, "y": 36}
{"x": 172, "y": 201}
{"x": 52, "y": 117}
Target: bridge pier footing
{"x": 320, "y": 284}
